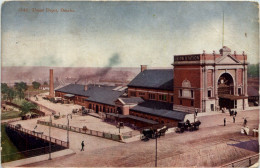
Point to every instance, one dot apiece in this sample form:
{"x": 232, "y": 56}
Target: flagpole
{"x": 223, "y": 30}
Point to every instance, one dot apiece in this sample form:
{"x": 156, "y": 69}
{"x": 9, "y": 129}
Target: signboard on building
{"x": 187, "y": 58}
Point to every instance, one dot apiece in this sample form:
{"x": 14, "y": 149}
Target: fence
{"x": 83, "y": 131}
{"x": 245, "y": 162}
{"x": 41, "y": 136}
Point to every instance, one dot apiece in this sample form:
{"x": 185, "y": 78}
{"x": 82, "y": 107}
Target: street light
{"x": 156, "y": 135}
{"x": 68, "y": 128}
{"x": 50, "y": 138}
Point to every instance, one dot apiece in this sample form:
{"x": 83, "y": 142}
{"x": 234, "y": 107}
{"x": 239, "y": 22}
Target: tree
{"x": 4, "y": 88}
{"x": 45, "y": 83}
{"x": 36, "y": 85}
{"x": 20, "y": 87}
{"x": 26, "y": 107}
{"x": 253, "y": 70}
{"x": 10, "y": 94}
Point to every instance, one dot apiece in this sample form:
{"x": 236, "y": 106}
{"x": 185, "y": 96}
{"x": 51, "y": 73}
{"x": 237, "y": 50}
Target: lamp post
{"x": 156, "y": 134}
{"x": 68, "y": 128}
{"x": 50, "y": 138}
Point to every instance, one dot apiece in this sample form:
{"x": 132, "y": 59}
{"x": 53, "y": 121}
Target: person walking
{"x": 82, "y": 146}
{"x": 234, "y": 119}
{"x": 245, "y": 122}
{"x": 224, "y": 121}
{"x": 235, "y": 113}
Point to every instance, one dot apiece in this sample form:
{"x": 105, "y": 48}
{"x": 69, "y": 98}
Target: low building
{"x": 99, "y": 98}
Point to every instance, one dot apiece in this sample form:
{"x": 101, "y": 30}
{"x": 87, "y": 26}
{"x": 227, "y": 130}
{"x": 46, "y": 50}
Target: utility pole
{"x": 50, "y": 123}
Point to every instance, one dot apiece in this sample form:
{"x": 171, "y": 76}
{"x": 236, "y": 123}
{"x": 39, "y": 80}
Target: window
{"x": 192, "y": 103}
{"x": 180, "y": 92}
{"x": 133, "y": 94}
{"x": 141, "y": 94}
{"x": 180, "y": 102}
{"x": 209, "y": 93}
{"x": 191, "y": 93}
{"x": 239, "y": 91}
{"x": 163, "y": 97}
{"x": 151, "y": 96}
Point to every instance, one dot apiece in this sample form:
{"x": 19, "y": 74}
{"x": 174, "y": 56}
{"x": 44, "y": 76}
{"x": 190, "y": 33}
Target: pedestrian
{"x": 196, "y": 112}
{"x": 224, "y": 121}
{"x": 234, "y": 119}
{"x": 82, "y": 146}
{"x": 235, "y": 113}
{"x": 245, "y": 122}
{"x": 229, "y": 112}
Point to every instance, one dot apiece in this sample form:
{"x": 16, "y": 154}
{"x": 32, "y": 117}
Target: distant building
{"x": 44, "y": 87}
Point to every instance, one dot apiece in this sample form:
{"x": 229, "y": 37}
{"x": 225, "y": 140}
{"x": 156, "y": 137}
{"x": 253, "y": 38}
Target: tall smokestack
{"x": 51, "y": 84}
{"x": 143, "y": 67}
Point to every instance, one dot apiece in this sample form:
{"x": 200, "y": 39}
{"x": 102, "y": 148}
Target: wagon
{"x": 147, "y": 134}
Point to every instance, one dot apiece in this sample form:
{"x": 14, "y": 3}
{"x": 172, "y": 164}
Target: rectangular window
{"x": 151, "y": 96}
{"x": 209, "y": 93}
{"x": 180, "y": 102}
{"x": 191, "y": 103}
{"x": 164, "y": 98}
{"x": 171, "y": 98}
{"x": 132, "y": 94}
{"x": 180, "y": 92}
{"x": 191, "y": 93}
{"x": 239, "y": 91}
{"x": 141, "y": 94}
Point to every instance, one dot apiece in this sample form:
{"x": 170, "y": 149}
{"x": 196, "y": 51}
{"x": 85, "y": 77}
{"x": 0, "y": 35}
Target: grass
{"x": 18, "y": 101}
{"x": 9, "y": 151}
{"x": 9, "y": 114}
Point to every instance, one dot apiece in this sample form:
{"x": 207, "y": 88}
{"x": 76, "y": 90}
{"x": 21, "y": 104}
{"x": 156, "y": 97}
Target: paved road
{"x": 212, "y": 145}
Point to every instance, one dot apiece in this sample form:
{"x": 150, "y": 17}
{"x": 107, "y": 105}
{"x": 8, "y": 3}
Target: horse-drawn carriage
{"x": 187, "y": 126}
{"x": 153, "y": 133}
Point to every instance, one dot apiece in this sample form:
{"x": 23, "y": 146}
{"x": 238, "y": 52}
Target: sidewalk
{"x": 40, "y": 158}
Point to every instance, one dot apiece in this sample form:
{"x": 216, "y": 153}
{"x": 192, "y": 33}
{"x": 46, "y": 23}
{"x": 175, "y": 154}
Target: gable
{"x": 227, "y": 60}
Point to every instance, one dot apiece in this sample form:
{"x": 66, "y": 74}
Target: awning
{"x": 232, "y": 97}
{"x": 69, "y": 95}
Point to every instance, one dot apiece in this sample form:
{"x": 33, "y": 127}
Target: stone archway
{"x": 225, "y": 87}
{"x": 225, "y": 84}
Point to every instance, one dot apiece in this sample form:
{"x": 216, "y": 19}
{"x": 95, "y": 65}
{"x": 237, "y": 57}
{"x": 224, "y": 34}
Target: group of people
{"x": 234, "y": 114}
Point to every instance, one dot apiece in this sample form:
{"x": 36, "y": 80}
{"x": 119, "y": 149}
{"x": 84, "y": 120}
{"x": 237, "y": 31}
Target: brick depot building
{"x": 203, "y": 82}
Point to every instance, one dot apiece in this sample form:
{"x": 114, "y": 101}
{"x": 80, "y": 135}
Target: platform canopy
{"x": 232, "y": 97}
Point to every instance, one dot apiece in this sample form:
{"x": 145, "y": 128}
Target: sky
{"x": 124, "y": 34}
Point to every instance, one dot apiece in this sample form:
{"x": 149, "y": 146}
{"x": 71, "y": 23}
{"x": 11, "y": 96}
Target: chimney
{"x": 143, "y": 67}
{"x": 51, "y": 93}
{"x": 85, "y": 87}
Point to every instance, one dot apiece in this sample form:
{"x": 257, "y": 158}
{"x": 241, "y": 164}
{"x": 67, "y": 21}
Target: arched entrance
{"x": 225, "y": 88}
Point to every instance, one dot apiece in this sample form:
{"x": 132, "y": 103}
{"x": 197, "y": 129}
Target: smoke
{"x": 113, "y": 61}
